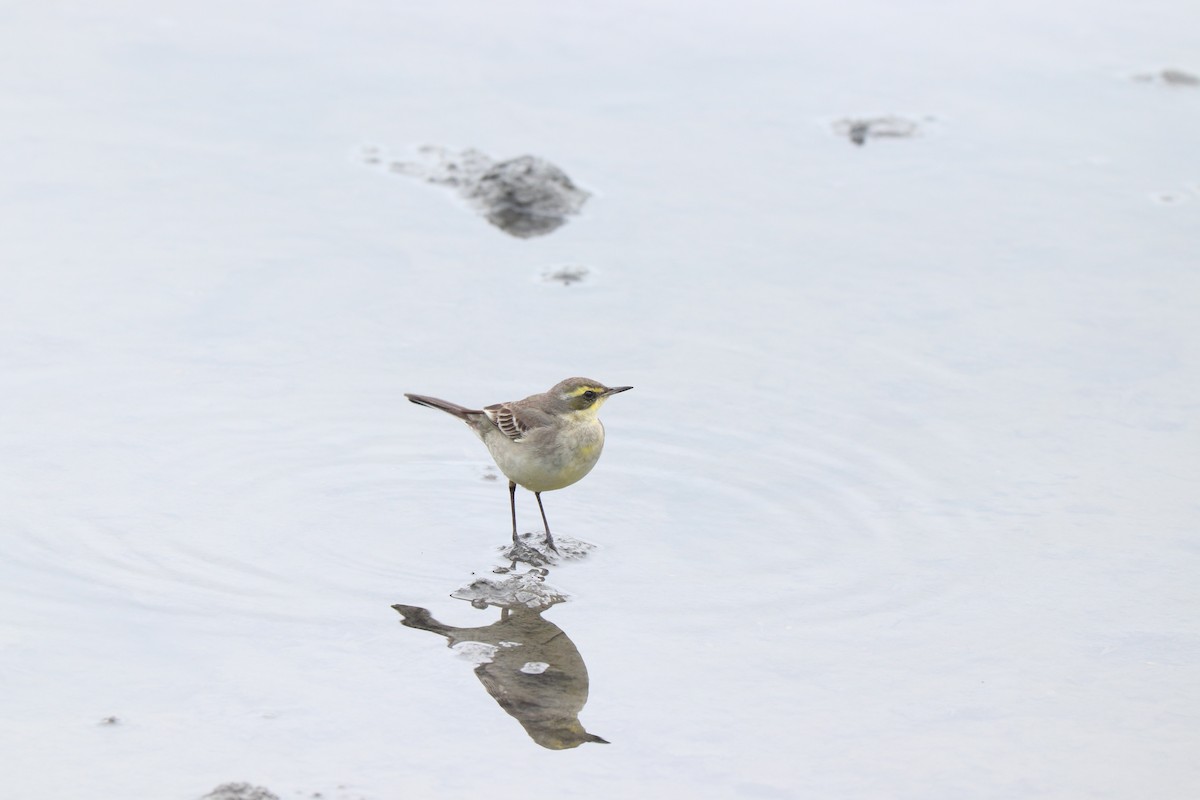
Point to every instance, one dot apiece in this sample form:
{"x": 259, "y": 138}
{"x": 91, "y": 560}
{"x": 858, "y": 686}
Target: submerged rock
{"x": 524, "y": 196}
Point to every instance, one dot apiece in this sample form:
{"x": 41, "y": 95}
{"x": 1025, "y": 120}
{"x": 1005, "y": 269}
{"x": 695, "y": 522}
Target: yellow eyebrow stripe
{"x": 580, "y": 390}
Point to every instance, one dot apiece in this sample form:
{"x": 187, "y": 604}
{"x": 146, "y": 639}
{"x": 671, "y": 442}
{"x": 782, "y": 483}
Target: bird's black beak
{"x": 616, "y": 389}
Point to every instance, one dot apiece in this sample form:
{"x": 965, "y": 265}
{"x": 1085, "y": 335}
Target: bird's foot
{"x": 531, "y": 549}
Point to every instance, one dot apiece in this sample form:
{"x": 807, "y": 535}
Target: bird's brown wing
{"x": 512, "y": 420}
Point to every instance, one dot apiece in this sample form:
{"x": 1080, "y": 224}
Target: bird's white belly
{"x": 544, "y": 464}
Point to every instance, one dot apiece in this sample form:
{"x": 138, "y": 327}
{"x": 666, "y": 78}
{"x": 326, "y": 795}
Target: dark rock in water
{"x": 240, "y": 791}
{"x": 859, "y": 131}
{"x": 524, "y": 196}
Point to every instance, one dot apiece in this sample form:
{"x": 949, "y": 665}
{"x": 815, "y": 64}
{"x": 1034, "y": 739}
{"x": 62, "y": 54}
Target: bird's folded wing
{"x": 513, "y": 422}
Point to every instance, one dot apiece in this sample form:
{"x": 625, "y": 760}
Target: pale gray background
{"x": 904, "y": 504}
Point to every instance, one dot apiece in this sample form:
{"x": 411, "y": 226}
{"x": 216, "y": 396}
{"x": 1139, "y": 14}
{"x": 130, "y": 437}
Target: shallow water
{"x": 902, "y": 504}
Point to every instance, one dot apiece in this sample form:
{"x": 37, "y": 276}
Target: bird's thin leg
{"x": 512, "y": 501}
{"x": 549, "y": 538}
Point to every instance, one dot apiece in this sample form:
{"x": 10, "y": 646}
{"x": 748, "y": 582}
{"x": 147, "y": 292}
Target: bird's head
{"x": 584, "y": 396}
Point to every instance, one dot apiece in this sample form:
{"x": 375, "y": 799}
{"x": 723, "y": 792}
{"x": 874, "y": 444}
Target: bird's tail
{"x": 462, "y": 412}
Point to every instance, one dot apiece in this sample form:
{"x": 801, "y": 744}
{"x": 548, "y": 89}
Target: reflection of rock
{"x": 529, "y": 666}
{"x": 1169, "y": 77}
{"x": 859, "y": 130}
{"x": 524, "y": 196}
{"x": 526, "y": 590}
{"x": 240, "y": 791}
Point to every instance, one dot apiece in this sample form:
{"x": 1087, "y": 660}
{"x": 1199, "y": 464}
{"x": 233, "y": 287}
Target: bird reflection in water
{"x": 528, "y": 666}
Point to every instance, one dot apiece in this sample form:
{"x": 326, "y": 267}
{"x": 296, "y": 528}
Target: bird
{"x": 545, "y": 442}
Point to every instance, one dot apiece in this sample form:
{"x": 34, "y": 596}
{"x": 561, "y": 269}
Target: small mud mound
{"x": 533, "y": 549}
{"x": 524, "y": 196}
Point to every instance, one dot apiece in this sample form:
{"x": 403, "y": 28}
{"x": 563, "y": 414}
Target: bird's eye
{"x": 589, "y": 395}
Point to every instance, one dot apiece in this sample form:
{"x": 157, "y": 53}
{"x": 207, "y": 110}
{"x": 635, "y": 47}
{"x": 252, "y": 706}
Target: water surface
{"x": 902, "y": 505}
